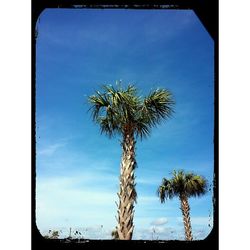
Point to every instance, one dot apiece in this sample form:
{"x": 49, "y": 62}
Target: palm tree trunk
{"x": 127, "y": 193}
{"x": 186, "y": 217}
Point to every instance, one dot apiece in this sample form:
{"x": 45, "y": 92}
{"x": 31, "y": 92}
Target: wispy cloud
{"x": 159, "y": 221}
{"x": 74, "y": 200}
{"x": 148, "y": 181}
{"x": 50, "y": 150}
{"x": 147, "y": 199}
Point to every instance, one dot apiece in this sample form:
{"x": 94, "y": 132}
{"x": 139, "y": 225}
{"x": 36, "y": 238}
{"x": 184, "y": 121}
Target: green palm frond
{"x": 161, "y": 193}
{"x": 188, "y": 184}
{"x": 106, "y": 126}
{"x": 142, "y": 129}
{"x": 116, "y": 109}
{"x": 157, "y": 105}
{"x": 195, "y": 185}
{"x": 165, "y": 190}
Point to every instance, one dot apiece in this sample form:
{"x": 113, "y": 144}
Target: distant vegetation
{"x": 52, "y": 234}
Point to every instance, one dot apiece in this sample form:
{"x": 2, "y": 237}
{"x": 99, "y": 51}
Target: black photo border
{"x": 208, "y": 13}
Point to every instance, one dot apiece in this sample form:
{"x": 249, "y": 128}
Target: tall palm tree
{"x": 183, "y": 185}
{"x": 122, "y": 111}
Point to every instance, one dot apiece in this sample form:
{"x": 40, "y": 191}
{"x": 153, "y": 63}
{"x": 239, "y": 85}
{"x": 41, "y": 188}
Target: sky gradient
{"x": 77, "y": 169}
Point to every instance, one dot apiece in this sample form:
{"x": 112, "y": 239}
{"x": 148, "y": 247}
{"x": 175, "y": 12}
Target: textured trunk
{"x": 127, "y": 194}
{"x": 186, "y": 217}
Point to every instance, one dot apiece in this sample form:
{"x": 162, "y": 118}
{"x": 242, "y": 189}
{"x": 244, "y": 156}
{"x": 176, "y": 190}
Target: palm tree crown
{"x": 188, "y": 184}
{"x": 118, "y": 109}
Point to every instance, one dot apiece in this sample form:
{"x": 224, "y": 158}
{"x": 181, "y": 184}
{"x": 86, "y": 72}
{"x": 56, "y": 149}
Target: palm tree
{"x": 183, "y": 185}
{"x": 122, "y": 111}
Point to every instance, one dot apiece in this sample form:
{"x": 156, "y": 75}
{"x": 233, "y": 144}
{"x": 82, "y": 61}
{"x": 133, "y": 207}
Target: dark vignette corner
{"x": 207, "y": 12}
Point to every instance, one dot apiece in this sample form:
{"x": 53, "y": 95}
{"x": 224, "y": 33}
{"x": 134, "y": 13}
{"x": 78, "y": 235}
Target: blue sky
{"x": 77, "y": 168}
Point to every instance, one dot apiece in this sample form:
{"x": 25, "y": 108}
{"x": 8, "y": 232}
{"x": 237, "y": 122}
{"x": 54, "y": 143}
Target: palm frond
{"x": 188, "y": 184}
{"x": 165, "y": 190}
{"x": 105, "y": 126}
{"x": 196, "y": 185}
{"x": 161, "y": 193}
{"x": 98, "y": 101}
{"x": 158, "y": 105}
{"x": 118, "y": 109}
{"x": 142, "y": 129}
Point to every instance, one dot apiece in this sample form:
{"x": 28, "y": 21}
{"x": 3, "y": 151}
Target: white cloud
{"x": 149, "y": 181}
{"x": 159, "y": 221}
{"x": 76, "y": 200}
{"x": 144, "y": 199}
{"x": 50, "y": 150}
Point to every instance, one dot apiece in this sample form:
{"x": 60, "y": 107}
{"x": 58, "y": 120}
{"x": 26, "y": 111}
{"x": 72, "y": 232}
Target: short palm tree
{"x": 122, "y": 111}
{"x": 183, "y": 185}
